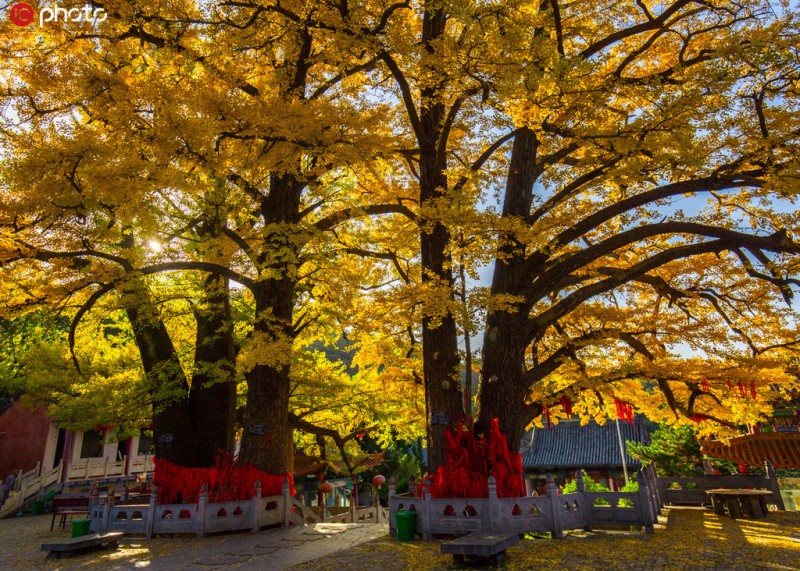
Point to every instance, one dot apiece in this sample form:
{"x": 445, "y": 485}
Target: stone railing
{"x": 362, "y": 514}
{"x": 692, "y": 490}
{"x": 553, "y": 512}
{"x": 86, "y": 468}
{"x": 141, "y": 464}
{"x": 198, "y": 519}
{"x": 30, "y": 484}
{"x": 28, "y": 477}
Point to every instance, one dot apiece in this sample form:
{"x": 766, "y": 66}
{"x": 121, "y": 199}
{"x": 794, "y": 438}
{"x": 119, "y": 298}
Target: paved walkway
{"x": 688, "y": 539}
{"x": 20, "y": 541}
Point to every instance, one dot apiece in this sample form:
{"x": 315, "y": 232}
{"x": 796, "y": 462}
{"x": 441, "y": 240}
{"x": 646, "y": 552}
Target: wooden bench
{"x": 491, "y": 545}
{"x": 69, "y": 547}
{"x": 68, "y": 506}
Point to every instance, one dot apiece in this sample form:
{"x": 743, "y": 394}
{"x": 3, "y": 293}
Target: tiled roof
{"x": 570, "y": 445}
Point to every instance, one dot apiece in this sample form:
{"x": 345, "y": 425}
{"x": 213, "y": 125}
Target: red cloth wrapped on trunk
{"x": 470, "y": 461}
{"x": 227, "y": 481}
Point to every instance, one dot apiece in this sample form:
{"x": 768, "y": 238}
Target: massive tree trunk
{"x": 440, "y": 357}
{"x": 504, "y": 386}
{"x": 173, "y": 432}
{"x": 267, "y": 434}
{"x": 213, "y": 393}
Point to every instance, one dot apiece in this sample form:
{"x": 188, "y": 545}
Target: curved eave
{"x": 780, "y": 448}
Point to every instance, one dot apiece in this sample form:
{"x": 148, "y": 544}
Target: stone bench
{"x": 69, "y": 547}
{"x": 490, "y": 545}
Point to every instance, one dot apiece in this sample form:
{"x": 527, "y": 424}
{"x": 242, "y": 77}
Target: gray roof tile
{"x": 570, "y": 445}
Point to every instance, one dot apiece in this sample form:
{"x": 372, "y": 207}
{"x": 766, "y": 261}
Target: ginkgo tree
{"x": 646, "y": 238}
{"x": 602, "y": 284}
{"x": 253, "y": 142}
{"x": 128, "y": 89}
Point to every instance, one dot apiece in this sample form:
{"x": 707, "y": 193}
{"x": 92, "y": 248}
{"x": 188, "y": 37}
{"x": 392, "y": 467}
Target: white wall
{"x": 109, "y": 449}
{"x": 49, "y": 456}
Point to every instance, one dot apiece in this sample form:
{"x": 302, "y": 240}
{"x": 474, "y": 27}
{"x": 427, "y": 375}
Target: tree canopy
{"x": 627, "y": 173}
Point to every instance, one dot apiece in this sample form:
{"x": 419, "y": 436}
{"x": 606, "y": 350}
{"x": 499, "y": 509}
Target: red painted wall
{"x": 23, "y": 437}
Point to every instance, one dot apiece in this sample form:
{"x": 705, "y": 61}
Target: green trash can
{"x": 406, "y": 525}
{"x": 80, "y": 527}
{"x": 37, "y": 508}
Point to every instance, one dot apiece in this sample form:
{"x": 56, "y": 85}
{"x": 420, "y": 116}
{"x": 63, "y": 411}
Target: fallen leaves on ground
{"x": 21, "y": 540}
{"x": 692, "y": 539}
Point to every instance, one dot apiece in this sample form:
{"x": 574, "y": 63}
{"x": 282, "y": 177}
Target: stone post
{"x": 151, "y": 513}
{"x": 392, "y": 506}
{"x": 652, "y": 486}
{"x": 493, "y": 505}
{"x": 556, "y": 508}
{"x": 255, "y": 524}
{"x": 107, "y": 512}
{"x": 201, "y": 511}
{"x": 94, "y": 500}
{"x": 286, "y": 501}
{"x": 425, "y": 516}
{"x": 645, "y": 504}
{"x": 586, "y": 507}
{"x": 773, "y": 485}
{"x": 412, "y": 485}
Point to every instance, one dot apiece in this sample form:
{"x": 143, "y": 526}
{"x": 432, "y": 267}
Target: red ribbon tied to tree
{"x": 566, "y": 404}
{"x": 471, "y": 459}
{"x": 704, "y": 385}
{"x": 227, "y": 481}
{"x": 624, "y": 410}
{"x": 742, "y": 390}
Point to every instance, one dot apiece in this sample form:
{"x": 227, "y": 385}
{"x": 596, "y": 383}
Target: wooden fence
{"x": 553, "y": 512}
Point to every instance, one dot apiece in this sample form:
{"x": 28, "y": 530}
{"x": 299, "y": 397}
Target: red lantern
{"x": 704, "y": 386}
{"x": 326, "y": 487}
{"x": 378, "y": 481}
